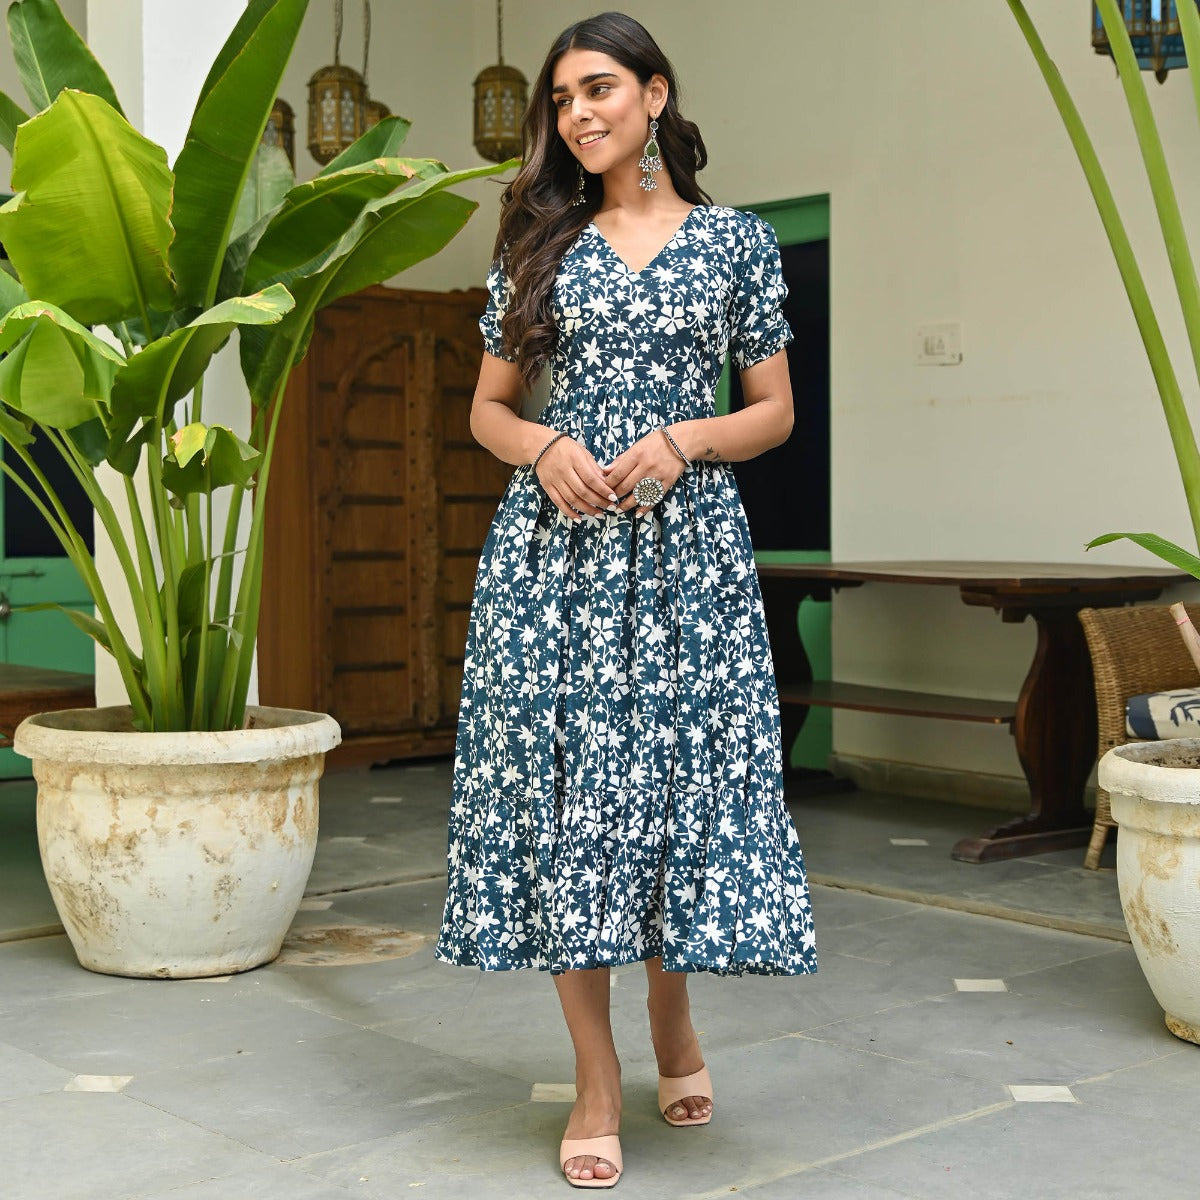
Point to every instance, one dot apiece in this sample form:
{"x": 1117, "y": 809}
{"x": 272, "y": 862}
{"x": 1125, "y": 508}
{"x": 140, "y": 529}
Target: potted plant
{"x": 177, "y": 832}
{"x": 1154, "y": 786}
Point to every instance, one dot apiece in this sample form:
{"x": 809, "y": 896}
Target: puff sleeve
{"x": 758, "y": 327}
{"x": 499, "y": 297}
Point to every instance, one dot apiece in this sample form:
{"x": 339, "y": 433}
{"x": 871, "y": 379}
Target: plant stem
{"x": 68, "y": 537}
{"x": 1179, "y": 424}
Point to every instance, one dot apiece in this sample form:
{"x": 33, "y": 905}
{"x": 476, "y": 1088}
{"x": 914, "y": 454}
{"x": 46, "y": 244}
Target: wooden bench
{"x": 28, "y": 690}
{"x": 1053, "y": 720}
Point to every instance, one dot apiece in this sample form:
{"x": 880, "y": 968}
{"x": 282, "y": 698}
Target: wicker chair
{"x": 1133, "y": 650}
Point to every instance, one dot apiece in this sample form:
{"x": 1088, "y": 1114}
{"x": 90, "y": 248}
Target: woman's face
{"x": 603, "y": 111}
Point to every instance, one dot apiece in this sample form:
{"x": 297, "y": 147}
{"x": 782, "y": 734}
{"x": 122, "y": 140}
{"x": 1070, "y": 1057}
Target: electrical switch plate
{"x": 939, "y": 345}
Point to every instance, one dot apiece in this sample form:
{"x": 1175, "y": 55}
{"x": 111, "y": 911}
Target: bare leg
{"x": 675, "y": 1044}
{"x": 584, "y": 996}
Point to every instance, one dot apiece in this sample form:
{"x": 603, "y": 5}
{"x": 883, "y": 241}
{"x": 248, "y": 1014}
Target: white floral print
{"x": 617, "y": 776}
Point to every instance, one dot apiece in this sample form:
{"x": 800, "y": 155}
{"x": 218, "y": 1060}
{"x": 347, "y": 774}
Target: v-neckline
{"x": 665, "y": 246}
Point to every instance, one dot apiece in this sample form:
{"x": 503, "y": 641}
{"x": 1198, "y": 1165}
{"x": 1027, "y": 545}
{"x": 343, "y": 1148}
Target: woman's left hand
{"x": 650, "y": 457}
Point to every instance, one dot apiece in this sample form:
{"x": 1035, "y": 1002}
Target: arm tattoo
{"x": 712, "y": 454}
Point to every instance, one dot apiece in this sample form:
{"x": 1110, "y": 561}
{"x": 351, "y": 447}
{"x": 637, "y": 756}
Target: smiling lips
{"x": 590, "y": 139}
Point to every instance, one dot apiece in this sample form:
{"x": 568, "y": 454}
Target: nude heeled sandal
{"x": 671, "y": 1091}
{"x": 607, "y": 1148}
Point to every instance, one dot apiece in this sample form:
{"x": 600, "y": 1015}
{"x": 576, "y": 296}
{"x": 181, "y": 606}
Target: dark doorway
{"x": 786, "y": 490}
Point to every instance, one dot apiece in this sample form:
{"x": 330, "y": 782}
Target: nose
{"x": 580, "y": 110}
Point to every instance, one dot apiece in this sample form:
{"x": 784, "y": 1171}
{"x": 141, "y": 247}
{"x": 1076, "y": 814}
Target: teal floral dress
{"x": 617, "y": 787}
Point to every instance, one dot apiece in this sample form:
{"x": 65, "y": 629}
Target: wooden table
{"x": 28, "y": 690}
{"x": 1053, "y": 720}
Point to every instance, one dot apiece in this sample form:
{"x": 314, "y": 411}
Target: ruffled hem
{"x": 707, "y": 880}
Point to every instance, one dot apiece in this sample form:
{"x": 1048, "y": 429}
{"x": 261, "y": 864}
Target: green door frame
{"x": 40, "y": 639}
{"x": 804, "y": 219}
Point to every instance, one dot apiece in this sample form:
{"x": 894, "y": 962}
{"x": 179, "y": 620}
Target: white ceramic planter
{"x": 1155, "y": 791}
{"x": 176, "y": 855}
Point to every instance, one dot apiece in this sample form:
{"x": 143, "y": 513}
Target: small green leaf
{"x": 220, "y": 459}
{"x": 169, "y": 368}
{"x": 14, "y": 431}
{"x": 1185, "y": 560}
{"x": 91, "y": 440}
{"x": 270, "y": 179}
{"x": 56, "y": 372}
{"x": 12, "y": 293}
{"x": 380, "y": 141}
{"x": 11, "y": 115}
{"x": 125, "y": 452}
{"x": 188, "y": 442}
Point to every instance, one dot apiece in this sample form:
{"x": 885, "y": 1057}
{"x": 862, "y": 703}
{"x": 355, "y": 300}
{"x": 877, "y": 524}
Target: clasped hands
{"x": 580, "y": 486}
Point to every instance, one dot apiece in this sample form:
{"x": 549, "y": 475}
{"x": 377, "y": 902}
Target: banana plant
{"x": 1174, "y": 235}
{"x": 128, "y": 274}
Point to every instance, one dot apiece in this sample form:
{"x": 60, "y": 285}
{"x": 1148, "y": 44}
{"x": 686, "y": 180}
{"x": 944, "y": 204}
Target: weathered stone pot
{"x": 176, "y": 855}
{"x": 1155, "y": 792}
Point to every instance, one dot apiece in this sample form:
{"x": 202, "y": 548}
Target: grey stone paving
{"x": 880, "y": 1077}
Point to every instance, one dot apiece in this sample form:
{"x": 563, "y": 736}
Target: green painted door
{"x": 802, "y": 227}
{"x": 33, "y": 570}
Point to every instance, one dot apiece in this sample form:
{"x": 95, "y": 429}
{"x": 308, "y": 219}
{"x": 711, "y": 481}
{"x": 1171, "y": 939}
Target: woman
{"x": 617, "y": 786}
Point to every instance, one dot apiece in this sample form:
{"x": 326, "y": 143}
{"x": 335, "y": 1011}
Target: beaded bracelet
{"x": 674, "y": 445}
{"x": 533, "y": 465}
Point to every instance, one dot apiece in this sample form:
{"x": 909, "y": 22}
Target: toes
{"x": 690, "y": 1108}
{"x": 587, "y": 1167}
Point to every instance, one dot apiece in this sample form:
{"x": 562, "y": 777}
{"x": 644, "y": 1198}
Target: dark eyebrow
{"x": 585, "y": 80}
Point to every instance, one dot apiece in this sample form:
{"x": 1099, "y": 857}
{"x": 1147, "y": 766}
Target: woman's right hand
{"x": 573, "y": 480}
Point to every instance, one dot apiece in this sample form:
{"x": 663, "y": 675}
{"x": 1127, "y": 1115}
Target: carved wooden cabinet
{"x": 379, "y": 504}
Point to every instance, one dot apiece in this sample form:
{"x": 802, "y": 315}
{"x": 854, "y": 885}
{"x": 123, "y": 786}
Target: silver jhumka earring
{"x": 651, "y": 160}
{"x": 580, "y": 198}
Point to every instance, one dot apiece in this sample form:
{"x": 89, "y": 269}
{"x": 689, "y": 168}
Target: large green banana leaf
{"x": 89, "y": 228}
{"x": 225, "y": 131}
{"x": 54, "y": 371}
{"x": 51, "y": 56}
{"x": 389, "y": 236}
{"x": 169, "y": 368}
{"x": 317, "y": 214}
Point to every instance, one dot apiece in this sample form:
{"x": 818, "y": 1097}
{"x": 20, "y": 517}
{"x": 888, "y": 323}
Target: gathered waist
{"x": 604, "y": 412}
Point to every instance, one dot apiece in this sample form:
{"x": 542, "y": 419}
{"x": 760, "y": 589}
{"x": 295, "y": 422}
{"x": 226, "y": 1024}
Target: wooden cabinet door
{"x": 379, "y": 505}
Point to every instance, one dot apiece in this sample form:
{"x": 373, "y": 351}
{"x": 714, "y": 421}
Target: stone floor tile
{"x": 24, "y": 1074}
{"x": 1000, "y": 1037}
{"x": 837, "y": 908}
{"x": 74, "y": 1146}
{"x": 818, "y": 1184}
{"x": 1047, "y": 1151}
{"x": 1162, "y": 1089}
{"x": 156, "y": 1024}
{"x": 276, "y": 1181}
{"x": 293, "y": 1100}
{"x": 45, "y": 968}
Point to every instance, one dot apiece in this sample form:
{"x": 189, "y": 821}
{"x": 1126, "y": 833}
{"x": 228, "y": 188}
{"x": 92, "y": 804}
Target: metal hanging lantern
{"x": 501, "y": 94}
{"x": 281, "y": 129}
{"x": 373, "y": 112}
{"x": 1154, "y": 31}
{"x": 336, "y": 96}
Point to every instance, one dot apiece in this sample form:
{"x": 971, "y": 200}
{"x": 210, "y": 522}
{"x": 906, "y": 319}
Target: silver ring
{"x": 648, "y": 492}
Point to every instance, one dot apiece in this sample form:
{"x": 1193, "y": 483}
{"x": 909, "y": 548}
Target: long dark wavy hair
{"x": 538, "y": 222}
